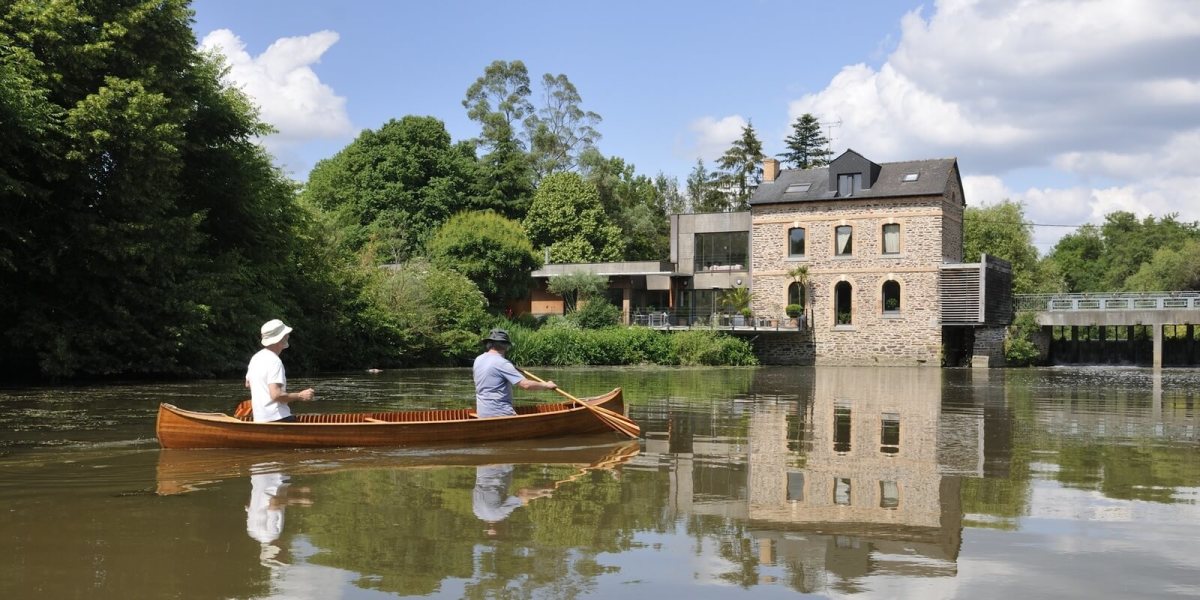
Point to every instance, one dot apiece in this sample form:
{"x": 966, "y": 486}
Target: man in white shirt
{"x": 267, "y": 380}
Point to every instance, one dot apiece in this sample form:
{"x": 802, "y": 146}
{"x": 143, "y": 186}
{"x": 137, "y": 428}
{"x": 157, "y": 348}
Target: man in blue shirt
{"x": 495, "y": 376}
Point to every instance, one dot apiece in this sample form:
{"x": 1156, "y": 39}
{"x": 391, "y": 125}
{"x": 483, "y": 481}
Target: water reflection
{"x": 271, "y": 492}
{"x": 846, "y": 483}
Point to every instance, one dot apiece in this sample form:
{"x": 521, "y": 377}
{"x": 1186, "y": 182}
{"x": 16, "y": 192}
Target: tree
{"x": 490, "y": 250}
{"x": 1000, "y": 230}
{"x": 807, "y": 146}
{"x": 559, "y": 131}
{"x": 1169, "y": 270}
{"x": 633, "y": 201}
{"x": 394, "y": 186}
{"x": 499, "y": 101}
{"x": 566, "y": 217}
{"x": 144, "y": 230}
{"x": 740, "y": 168}
{"x": 1130, "y": 243}
{"x": 702, "y": 192}
{"x": 579, "y": 285}
{"x": 1080, "y": 258}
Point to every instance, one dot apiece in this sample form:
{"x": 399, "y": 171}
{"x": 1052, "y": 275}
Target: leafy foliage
{"x": 740, "y": 167}
{"x": 1019, "y": 348}
{"x": 393, "y": 187}
{"x": 636, "y": 203}
{"x": 567, "y": 344}
{"x": 576, "y": 286}
{"x": 488, "y": 249}
{"x": 596, "y": 313}
{"x": 1170, "y": 269}
{"x": 560, "y": 130}
{"x": 566, "y": 217}
{"x": 1001, "y": 230}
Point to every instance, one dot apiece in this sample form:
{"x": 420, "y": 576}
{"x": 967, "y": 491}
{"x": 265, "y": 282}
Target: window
{"x": 889, "y": 434}
{"x": 889, "y": 495}
{"x": 841, "y": 491}
{"x": 796, "y": 242}
{"x": 891, "y": 238}
{"x": 841, "y": 428}
{"x": 891, "y": 297}
{"x": 724, "y": 251}
{"x": 795, "y": 486}
{"x": 795, "y": 293}
{"x": 844, "y": 238}
{"x": 849, "y": 184}
{"x": 910, "y": 177}
{"x": 843, "y": 307}
{"x": 797, "y": 187}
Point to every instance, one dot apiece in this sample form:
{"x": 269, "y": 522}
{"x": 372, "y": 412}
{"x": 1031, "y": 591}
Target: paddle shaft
{"x": 613, "y": 419}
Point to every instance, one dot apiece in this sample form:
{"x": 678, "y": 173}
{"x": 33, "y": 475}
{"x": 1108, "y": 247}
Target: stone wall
{"x": 782, "y": 348}
{"x": 909, "y": 336}
{"x": 988, "y": 350}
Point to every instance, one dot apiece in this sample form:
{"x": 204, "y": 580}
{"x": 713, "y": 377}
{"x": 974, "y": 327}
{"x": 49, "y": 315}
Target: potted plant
{"x": 737, "y": 300}
{"x": 843, "y": 318}
{"x": 795, "y": 311}
{"x": 891, "y": 305}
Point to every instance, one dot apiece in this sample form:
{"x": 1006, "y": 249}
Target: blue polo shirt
{"x": 494, "y": 378}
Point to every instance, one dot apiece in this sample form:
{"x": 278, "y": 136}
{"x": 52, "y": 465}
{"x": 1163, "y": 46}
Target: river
{"x": 765, "y": 482}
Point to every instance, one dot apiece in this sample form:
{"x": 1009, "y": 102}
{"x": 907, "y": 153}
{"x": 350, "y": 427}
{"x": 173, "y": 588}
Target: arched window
{"x": 843, "y": 303}
{"x": 796, "y": 242}
{"x": 795, "y": 294}
{"x": 891, "y": 297}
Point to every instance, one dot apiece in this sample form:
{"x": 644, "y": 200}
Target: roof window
{"x": 910, "y": 177}
{"x": 797, "y": 187}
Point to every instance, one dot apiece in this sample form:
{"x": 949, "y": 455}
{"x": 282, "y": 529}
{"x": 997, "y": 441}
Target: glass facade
{"x": 723, "y": 251}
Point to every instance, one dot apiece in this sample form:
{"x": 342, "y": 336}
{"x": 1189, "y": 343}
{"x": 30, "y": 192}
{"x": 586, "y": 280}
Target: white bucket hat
{"x": 273, "y": 331}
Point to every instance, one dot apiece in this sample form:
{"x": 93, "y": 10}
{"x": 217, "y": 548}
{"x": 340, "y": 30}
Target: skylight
{"x": 797, "y": 187}
{"x": 910, "y": 177}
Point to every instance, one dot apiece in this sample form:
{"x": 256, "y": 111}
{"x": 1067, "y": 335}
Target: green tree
{"x": 1080, "y": 258}
{"x": 490, "y": 250}
{"x": 580, "y": 285}
{"x": 1130, "y": 243}
{"x": 702, "y": 190}
{"x": 1000, "y": 230}
{"x": 566, "y": 217}
{"x": 1169, "y": 270}
{"x": 499, "y": 101}
{"x": 144, "y": 230}
{"x": 633, "y": 201}
{"x": 740, "y": 167}
{"x": 394, "y": 186}
{"x": 807, "y": 146}
{"x": 559, "y": 131}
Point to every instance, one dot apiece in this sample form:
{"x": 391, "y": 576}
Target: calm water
{"x": 762, "y": 483}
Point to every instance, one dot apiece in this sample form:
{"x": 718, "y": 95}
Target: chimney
{"x": 770, "y": 170}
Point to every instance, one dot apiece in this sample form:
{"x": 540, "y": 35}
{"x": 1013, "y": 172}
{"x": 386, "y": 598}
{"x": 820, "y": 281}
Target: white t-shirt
{"x": 266, "y": 368}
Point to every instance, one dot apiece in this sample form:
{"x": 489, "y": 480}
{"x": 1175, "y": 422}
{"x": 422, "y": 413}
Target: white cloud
{"x": 713, "y": 136}
{"x": 289, "y": 94}
{"x": 1099, "y": 98}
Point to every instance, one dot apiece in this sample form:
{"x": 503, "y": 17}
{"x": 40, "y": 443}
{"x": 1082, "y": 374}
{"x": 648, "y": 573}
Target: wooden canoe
{"x": 178, "y": 428}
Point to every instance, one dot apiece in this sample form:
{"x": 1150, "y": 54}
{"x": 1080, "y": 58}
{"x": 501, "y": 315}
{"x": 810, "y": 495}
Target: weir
{"x": 1107, "y": 328}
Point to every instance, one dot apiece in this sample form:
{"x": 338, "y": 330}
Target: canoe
{"x": 178, "y": 428}
{"x": 181, "y": 470}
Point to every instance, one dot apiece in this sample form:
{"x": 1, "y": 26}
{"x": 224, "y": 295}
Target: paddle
{"x": 613, "y": 419}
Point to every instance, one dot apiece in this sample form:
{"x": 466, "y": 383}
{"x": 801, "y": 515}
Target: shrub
{"x": 793, "y": 310}
{"x": 562, "y": 343}
{"x": 596, "y": 314}
{"x": 1019, "y": 349}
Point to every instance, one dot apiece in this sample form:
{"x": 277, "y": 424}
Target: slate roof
{"x": 933, "y": 179}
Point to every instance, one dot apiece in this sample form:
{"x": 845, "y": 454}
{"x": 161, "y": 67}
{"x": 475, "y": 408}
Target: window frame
{"x": 837, "y": 251}
{"x": 803, "y": 242}
{"x": 883, "y": 239}
{"x": 884, "y": 297}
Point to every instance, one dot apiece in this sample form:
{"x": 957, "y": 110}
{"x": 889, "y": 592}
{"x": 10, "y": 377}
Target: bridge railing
{"x": 1108, "y": 301}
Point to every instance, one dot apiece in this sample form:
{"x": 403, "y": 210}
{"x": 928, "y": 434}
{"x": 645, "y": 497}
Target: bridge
{"x": 1132, "y": 319}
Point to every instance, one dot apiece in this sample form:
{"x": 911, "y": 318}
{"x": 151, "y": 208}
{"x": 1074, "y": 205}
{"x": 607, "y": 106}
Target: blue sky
{"x": 1076, "y": 108}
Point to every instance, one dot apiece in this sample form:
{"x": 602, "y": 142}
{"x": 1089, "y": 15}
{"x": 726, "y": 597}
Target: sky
{"x": 1075, "y": 108}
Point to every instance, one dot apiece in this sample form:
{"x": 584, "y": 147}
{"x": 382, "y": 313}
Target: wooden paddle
{"x": 613, "y": 419}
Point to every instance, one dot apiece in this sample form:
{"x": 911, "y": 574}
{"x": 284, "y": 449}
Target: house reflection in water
{"x": 860, "y": 478}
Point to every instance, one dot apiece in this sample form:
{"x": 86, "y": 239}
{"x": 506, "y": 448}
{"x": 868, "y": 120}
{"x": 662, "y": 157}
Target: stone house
{"x": 882, "y": 245}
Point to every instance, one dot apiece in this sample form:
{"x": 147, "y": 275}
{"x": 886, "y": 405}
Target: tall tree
{"x": 1130, "y": 243}
{"x": 741, "y": 172}
{"x": 143, "y": 230}
{"x": 702, "y": 190}
{"x": 633, "y": 202}
{"x": 1080, "y": 258}
{"x": 807, "y": 146}
{"x": 1001, "y": 230}
{"x": 559, "y": 131}
{"x": 499, "y": 101}
{"x": 394, "y": 186}
{"x": 567, "y": 218}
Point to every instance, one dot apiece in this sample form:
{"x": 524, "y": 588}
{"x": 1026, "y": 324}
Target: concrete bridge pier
{"x": 1158, "y": 343}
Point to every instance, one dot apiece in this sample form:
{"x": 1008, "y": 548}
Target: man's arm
{"x": 278, "y": 395}
{"x": 529, "y": 384}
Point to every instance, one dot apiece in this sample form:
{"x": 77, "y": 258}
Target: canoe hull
{"x": 177, "y": 428}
